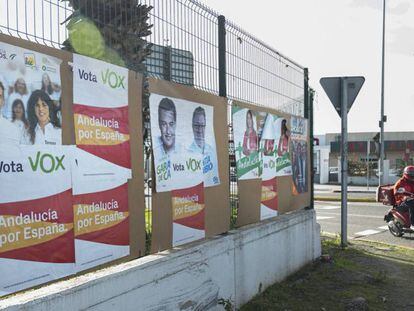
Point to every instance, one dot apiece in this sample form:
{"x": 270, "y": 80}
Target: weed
{"x": 227, "y": 304}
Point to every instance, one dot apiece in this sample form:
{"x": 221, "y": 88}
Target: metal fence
{"x": 193, "y": 45}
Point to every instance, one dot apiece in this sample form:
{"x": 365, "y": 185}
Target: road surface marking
{"x": 383, "y": 228}
{"x": 355, "y": 215}
{"x": 367, "y": 232}
{"x": 323, "y": 217}
{"x": 327, "y": 207}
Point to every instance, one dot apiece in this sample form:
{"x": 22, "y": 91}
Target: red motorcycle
{"x": 397, "y": 218}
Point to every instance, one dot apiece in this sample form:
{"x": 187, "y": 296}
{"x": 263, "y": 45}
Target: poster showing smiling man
{"x": 246, "y": 143}
{"x": 183, "y": 142}
{"x": 100, "y": 96}
{"x": 36, "y": 216}
{"x": 30, "y": 91}
{"x": 269, "y": 156}
{"x": 299, "y": 128}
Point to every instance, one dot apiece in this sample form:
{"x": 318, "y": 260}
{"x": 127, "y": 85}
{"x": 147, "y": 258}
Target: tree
{"x": 110, "y": 30}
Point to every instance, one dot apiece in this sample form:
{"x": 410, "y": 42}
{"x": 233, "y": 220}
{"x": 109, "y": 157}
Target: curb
{"x": 336, "y": 199}
{"x": 327, "y": 234}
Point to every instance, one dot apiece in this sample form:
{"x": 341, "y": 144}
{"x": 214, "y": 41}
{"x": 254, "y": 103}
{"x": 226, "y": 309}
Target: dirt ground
{"x": 380, "y": 275}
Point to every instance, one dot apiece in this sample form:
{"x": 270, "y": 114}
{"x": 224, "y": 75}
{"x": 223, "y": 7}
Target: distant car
{"x": 334, "y": 170}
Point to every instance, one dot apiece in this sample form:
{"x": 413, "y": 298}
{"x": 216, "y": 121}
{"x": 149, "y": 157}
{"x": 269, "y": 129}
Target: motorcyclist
{"x": 401, "y": 189}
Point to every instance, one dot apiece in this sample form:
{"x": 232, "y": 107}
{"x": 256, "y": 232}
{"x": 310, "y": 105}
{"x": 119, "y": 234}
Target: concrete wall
{"x": 233, "y": 267}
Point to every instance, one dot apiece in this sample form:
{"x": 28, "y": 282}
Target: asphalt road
{"x": 365, "y": 221}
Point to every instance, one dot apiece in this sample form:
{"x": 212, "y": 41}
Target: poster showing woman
{"x": 183, "y": 142}
{"x": 30, "y": 90}
{"x": 299, "y": 154}
{"x": 246, "y": 142}
{"x": 283, "y": 162}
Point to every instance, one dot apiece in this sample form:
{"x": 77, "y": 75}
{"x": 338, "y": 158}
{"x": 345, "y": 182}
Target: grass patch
{"x": 380, "y": 273}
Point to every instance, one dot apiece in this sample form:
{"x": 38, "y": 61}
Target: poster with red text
{"x": 100, "y": 97}
{"x": 101, "y": 221}
{"x": 269, "y": 206}
{"x": 36, "y": 216}
{"x": 269, "y": 157}
{"x": 188, "y": 202}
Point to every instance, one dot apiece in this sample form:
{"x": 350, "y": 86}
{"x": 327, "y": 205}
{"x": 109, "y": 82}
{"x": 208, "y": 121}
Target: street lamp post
{"x": 383, "y": 118}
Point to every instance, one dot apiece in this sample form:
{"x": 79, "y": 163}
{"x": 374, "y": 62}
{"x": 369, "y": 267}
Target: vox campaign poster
{"x": 246, "y": 143}
{"x": 100, "y": 96}
{"x": 188, "y": 207}
{"x": 101, "y": 222}
{"x": 30, "y": 91}
{"x": 269, "y": 156}
{"x": 36, "y": 216}
{"x": 269, "y": 205}
{"x": 299, "y": 128}
{"x": 182, "y": 131}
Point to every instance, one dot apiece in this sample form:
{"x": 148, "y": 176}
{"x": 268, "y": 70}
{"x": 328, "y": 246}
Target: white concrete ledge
{"x": 234, "y": 267}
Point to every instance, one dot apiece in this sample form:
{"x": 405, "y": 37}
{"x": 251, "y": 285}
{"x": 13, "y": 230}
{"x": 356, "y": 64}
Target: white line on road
{"x": 323, "y": 217}
{"x": 366, "y": 232}
{"x": 355, "y": 215}
{"x": 383, "y": 228}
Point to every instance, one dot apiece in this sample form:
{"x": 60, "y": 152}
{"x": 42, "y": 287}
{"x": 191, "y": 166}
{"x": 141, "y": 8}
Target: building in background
{"x": 363, "y": 156}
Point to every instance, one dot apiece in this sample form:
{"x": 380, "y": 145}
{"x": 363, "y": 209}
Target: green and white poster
{"x": 282, "y": 139}
{"x": 246, "y": 143}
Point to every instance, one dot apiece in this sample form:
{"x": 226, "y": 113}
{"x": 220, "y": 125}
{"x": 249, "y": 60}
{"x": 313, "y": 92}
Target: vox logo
{"x": 112, "y": 79}
{"x": 46, "y": 162}
{"x": 193, "y": 165}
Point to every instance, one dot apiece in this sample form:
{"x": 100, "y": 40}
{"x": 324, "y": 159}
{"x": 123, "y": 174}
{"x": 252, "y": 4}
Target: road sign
{"x": 342, "y": 92}
{"x": 332, "y": 87}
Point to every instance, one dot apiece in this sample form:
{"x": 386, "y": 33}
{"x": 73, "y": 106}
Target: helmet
{"x": 409, "y": 173}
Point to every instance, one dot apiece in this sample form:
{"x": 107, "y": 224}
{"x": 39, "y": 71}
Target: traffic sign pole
{"x": 344, "y": 161}
{"x": 342, "y": 92}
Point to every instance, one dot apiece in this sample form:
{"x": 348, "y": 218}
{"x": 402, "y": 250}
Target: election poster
{"x": 183, "y": 142}
{"x": 282, "y": 132}
{"x": 30, "y": 97}
{"x": 246, "y": 143}
{"x": 268, "y": 204}
{"x": 101, "y": 222}
{"x": 36, "y": 216}
{"x": 261, "y": 122}
{"x": 188, "y": 215}
{"x": 269, "y": 156}
{"x": 299, "y": 128}
{"x": 100, "y": 97}
{"x": 188, "y": 203}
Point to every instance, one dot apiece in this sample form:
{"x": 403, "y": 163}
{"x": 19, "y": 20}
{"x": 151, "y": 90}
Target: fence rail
{"x": 186, "y": 49}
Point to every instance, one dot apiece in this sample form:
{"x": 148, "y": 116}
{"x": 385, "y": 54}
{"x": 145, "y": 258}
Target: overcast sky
{"x": 340, "y": 37}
